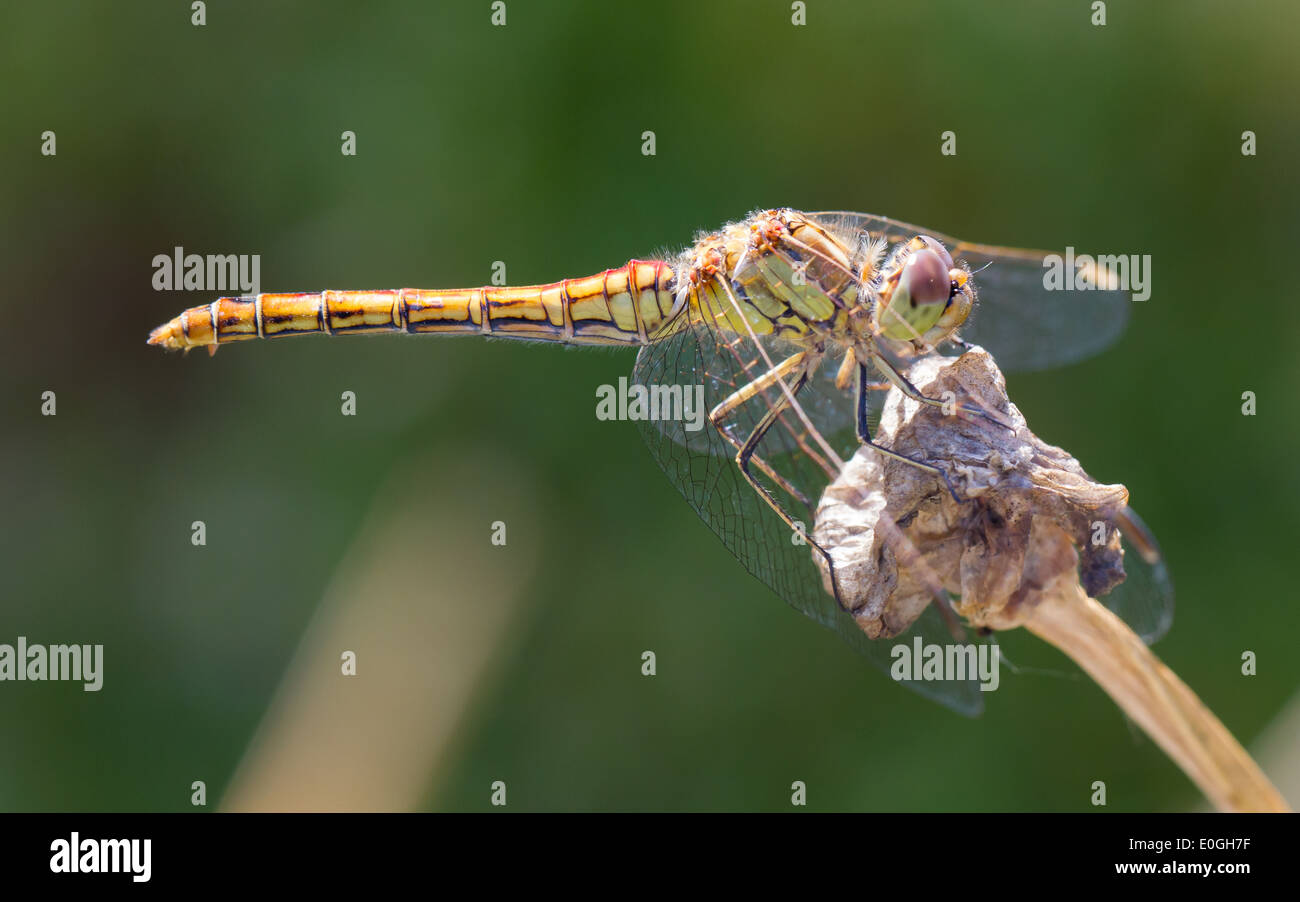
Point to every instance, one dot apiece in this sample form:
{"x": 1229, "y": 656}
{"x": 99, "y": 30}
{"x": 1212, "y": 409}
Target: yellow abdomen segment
{"x": 623, "y": 306}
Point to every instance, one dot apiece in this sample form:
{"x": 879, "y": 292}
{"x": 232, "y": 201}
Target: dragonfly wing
{"x": 962, "y": 696}
{"x": 698, "y": 357}
{"x": 1017, "y": 319}
{"x": 1026, "y": 327}
{"x": 1145, "y": 599}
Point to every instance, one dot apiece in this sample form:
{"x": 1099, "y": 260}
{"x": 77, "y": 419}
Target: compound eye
{"x": 925, "y": 278}
{"x": 938, "y": 248}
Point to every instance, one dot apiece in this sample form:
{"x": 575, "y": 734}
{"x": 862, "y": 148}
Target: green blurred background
{"x": 522, "y": 144}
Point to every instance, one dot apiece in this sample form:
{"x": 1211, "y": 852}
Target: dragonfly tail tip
{"x": 168, "y": 336}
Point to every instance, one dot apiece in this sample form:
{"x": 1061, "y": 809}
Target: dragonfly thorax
{"x": 782, "y": 273}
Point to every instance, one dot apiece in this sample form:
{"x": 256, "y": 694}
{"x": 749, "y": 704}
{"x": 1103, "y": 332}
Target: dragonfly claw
{"x": 952, "y": 490}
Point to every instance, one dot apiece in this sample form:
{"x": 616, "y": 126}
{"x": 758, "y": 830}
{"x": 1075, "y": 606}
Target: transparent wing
{"x": 701, "y": 359}
{"x": 1145, "y": 599}
{"x": 1016, "y": 319}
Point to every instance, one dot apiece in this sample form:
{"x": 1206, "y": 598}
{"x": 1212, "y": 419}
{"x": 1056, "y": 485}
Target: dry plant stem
{"x": 1032, "y": 533}
{"x": 1154, "y": 696}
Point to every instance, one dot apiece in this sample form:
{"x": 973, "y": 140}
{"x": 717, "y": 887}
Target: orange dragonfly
{"x": 788, "y": 325}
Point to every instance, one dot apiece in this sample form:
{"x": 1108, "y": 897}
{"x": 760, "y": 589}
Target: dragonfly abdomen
{"x": 623, "y": 306}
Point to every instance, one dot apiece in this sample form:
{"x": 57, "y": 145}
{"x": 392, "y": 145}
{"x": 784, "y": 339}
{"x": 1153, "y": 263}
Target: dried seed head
{"x": 1026, "y": 522}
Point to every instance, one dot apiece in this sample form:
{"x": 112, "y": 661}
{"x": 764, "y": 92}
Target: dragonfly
{"x": 788, "y": 328}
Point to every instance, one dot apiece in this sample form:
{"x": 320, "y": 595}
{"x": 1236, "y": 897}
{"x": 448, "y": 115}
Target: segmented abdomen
{"x": 623, "y": 306}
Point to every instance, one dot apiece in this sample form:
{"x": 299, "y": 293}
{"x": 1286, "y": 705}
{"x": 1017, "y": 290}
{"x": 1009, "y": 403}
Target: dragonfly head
{"x": 961, "y": 299}
{"x": 926, "y": 297}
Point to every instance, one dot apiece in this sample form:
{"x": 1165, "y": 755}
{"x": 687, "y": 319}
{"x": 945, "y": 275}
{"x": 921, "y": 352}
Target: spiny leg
{"x": 811, "y": 430}
{"x": 849, "y": 370}
{"x": 746, "y": 451}
{"x": 746, "y": 454}
{"x": 864, "y": 435}
{"x": 809, "y": 360}
{"x": 941, "y": 597}
{"x": 719, "y": 414}
{"x": 762, "y": 382}
{"x": 903, "y": 384}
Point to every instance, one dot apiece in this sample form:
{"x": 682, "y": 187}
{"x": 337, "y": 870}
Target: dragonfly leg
{"x": 746, "y": 455}
{"x": 719, "y": 414}
{"x": 864, "y": 435}
{"x": 747, "y": 391}
{"x": 903, "y": 384}
{"x": 849, "y": 368}
{"x": 813, "y": 360}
